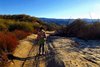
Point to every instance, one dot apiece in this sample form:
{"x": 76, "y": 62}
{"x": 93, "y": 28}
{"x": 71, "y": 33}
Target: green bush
{"x": 21, "y": 26}
{"x": 28, "y": 26}
{"x": 2, "y": 26}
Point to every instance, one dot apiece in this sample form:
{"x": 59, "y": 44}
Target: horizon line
{"x": 50, "y": 17}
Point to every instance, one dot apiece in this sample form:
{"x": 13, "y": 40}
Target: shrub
{"x": 85, "y": 33}
{"x": 2, "y": 26}
{"x": 8, "y": 42}
{"x": 20, "y": 34}
{"x": 25, "y": 26}
{"x": 90, "y": 31}
{"x": 82, "y": 30}
{"x": 74, "y": 28}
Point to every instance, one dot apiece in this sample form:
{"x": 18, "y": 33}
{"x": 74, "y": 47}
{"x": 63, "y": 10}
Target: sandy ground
{"x": 22, "y": 51}
{"x": 73, "y": 56}
{"x": 59, "y": 52}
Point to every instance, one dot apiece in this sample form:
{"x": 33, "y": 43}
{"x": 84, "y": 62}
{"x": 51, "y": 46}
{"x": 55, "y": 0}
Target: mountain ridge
{"x": 66, "y": 21}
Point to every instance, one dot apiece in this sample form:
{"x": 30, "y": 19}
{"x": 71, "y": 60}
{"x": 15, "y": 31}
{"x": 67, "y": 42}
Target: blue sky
{"x": 52, "y": 8}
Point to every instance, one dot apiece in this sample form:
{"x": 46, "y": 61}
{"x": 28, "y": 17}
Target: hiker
{"x": 41, "y": 37}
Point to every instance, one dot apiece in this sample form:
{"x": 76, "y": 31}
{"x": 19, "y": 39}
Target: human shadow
{"x": 37, "y": 60}
{"x": 52, "y": 60}
{"x": 12, "y": 57}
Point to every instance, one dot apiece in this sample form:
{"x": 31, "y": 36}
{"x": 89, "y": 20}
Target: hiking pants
{"x": 41, "y": 48}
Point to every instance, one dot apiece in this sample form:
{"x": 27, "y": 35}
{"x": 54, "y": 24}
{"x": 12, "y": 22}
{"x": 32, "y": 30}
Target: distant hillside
{"x": 64, "y": 21}
{"x": 19, "y": 20}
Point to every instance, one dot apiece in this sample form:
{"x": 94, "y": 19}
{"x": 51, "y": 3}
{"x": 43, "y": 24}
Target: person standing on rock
{"x": 41, "y": 37}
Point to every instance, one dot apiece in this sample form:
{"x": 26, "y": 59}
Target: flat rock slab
{"x": 59, "y": 52}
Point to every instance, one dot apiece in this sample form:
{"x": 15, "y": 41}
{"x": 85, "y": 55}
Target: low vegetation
{"x": 14, "y": 28}
{"x": 82, "y": 29}
{"x": 8, "y": 41}
{"x": 20, "y": 34}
